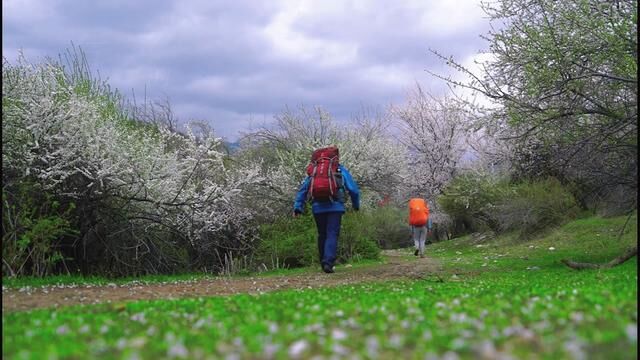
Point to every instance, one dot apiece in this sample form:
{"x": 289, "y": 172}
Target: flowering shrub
{"x": 145, "y": 195}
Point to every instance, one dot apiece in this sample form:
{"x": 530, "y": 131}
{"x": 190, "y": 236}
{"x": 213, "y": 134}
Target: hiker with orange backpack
{"x": 420, "y": 223}
{"x": 326, "y": 186}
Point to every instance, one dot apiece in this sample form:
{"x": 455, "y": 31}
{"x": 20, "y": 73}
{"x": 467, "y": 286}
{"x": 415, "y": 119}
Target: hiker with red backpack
{"x": 420, "y": 223}
{"x": 326, "y": 186}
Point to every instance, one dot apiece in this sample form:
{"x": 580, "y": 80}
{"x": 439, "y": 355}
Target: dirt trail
{"x": 398, "y": 266}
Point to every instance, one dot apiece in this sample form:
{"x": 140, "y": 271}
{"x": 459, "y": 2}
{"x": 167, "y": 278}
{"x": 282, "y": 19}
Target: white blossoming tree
{"x": 284, "y": 148}
{"x": 435, "y": 132}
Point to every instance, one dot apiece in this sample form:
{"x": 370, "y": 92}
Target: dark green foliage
{"x": 391, "y": 227}
{"x": 484, "y": 202}
{"x": 357, "y": 237}
{"x": 34, "y": 225}
{"x": 292, "y": 242}
{"x": 470, "y": 200}
{"x": 288, "y": 242}
{"x": 536, "y": 206}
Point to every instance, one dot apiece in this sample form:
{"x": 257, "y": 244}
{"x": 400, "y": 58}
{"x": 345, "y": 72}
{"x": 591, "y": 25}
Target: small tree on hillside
{"x": 565, "y": 76}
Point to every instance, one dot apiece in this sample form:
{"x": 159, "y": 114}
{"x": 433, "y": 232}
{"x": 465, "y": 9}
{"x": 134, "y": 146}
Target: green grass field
{"x": 501, "y": 296}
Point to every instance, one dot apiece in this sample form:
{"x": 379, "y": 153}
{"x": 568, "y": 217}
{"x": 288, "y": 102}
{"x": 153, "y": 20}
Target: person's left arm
{"x": 352, "y": 188}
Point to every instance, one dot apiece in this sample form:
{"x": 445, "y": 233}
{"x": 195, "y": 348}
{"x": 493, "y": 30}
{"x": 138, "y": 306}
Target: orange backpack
{"x": 418, "y": 212}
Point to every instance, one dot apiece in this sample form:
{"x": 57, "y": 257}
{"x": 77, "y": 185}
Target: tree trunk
{"x": 631, "y": 252}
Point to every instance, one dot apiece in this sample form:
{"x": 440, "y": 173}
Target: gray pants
{"x": 419, "y": 234}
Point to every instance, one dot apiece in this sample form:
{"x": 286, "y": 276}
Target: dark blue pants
{"x": 328, "y": 232}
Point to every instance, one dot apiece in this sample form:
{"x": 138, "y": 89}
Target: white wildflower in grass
{"x": 273, "y": 327}
{"x": 340, "y": 313}
{"x": 352, "y": 323}
{"x": 551, "y": 248}
{"x": 450, "y": 355}
{"x": 458, "y": 343}
{"x": 509, "y": 331}
{"x": 151, "y": 331}
{"x": 372, "y": 346}
{"x": 526, "y": 334}
{"x": 198, "y": 324}
{"x": 121, "y": 344}
{"x": 632, "y": 332}
{"x": 298, "y": 348}
{"x": 339, "y": 349}
{"x": 237, "y": 342}
{"x": 62, "y": 330}
{"x": 426, "y": 335}
{"x": 338, "y": 334}
{"x": 395, "y": 341}
{"x": 269, "y": 350}
{"x": 139, "y": 317}
{"x": 575, "y": 348}
{"x": 177, "y": 350}
{"x": 466, "y": 333}
{"x": 576, "y": 317}
{"x": 485, "y": 350}
{"x": 458, "y": 318}
{"x": 133, "y": 356}
{"x": 138, "y": 342}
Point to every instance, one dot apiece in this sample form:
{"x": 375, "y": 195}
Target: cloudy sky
{"x": 236, "y": 63}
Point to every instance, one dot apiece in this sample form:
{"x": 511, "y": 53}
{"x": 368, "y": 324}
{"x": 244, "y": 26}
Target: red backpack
{"x": 325, "y": 177}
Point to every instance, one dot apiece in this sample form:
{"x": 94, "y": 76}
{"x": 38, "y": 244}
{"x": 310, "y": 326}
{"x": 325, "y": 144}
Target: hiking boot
{"x": 415, "y": 252}
{"x": 327, "y": 268}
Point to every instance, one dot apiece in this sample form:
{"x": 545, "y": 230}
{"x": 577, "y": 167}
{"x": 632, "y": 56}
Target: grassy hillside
{"x": 493, "y": 296}
{"x": 592, "y": 239}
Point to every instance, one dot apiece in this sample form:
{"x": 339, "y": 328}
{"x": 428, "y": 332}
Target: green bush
{"x": 391, "y": 227}
{"x": 292, "y": 242}
{"x": 536, "y": 206}
{"x": 287, "y": 242}
{"x": 357, "y": 237}
{"x": 484, "y": 202}
{"x": 470, "y": 199}
{"x": 33, "y": 225}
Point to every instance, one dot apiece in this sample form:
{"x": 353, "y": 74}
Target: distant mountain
{"x": 232, "y": 147}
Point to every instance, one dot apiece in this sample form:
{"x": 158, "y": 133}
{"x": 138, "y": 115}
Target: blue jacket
{"x": 318, "y": 207}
